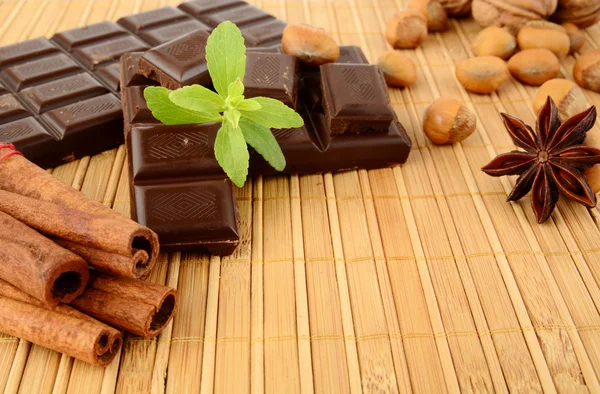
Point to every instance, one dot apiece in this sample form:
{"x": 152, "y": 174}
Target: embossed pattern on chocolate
{"x": 272, "y": 75}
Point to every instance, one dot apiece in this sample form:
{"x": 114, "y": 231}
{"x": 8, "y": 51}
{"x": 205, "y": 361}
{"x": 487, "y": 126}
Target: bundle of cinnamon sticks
{"x": 72, "y": 269}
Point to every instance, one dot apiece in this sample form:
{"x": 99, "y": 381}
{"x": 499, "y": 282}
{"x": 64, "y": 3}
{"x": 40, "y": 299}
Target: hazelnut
{"x": 494, "y": 41}
{"x": 406, "y": 29}
{"x": 587, "y": 70}
{"x": 534, "y": 66}
{"x": 593, "y": 177}
{"x": 437, "y": 18}
{"x": 544, "y": 34}
{"x": 576, "y": 36}
{"x": 482, "y": 74}
{"x": 398, "y": 69}
{"x": 448, "y": 121}
{"x": 566, "y": 94}
{"x": 312, "y": 45}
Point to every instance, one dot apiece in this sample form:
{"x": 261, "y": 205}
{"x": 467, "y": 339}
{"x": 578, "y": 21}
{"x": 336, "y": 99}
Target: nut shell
{"x": 513, "y": 14}
{"x": 569, "y": 97}
{"x": 494, "y": 41}
{"x": 437, "y": 18}
{"x": 447, "y": 121}
{"x": 583, "y": 13}
{"x": 587, "y": 70}
{"x": 456, "y": 8}
{"x": 482, "y": 74}
{"x": 576, "y": 36}
{"x": 534, "y": 66}
{"x": 544, "y": 34}
{"x": 407, "y": 29}
{"x": 311, "y": 45}
{"x": 398, "y": 69}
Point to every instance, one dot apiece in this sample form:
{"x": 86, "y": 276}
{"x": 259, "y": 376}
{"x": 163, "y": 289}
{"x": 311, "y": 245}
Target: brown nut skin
{"x": 587, "y": 70}
{"x": 576, "y": 36}
{"x": 311, "y": 45}
{"x": 482, "y": 74}
{"x": 512, "y": 14}
{"x": 569, "y": 97}
{"x": 398, "y": 69}
{"x": 447, "y": 121}
{"x": 407, "y": 29}
{"x": 544, "y": 34}
{"x": 437, "y": 18}
{"x": 583, "y": 13}
{"x": 456, "y": 8}
{"x": 494, "y": 41}
{"x": 534, "y": 66}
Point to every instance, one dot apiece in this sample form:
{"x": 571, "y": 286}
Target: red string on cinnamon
{"x": 13, "y": 151}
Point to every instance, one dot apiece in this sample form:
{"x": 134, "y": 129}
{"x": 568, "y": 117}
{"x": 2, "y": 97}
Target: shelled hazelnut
{"x": 398, "y": 69}
{"x": 576, "y": 36}
{"x": 587, "y": 70}
{"x": 534, "y": 66}
{"x": 569, "y": 97}
{"x": 407, "y": 29}
{"x": 544, "y": 34}
{"x": 437, "y": 18}
{"x": 482, "y": 74}
{"x": 447, "y": 120}
{"x": 311, "y": 45}
{"x": 494, "y": 41}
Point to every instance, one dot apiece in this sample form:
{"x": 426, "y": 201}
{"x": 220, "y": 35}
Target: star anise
{"x": 553, "y": 161}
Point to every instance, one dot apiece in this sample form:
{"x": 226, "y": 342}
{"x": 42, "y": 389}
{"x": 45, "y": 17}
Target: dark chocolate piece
{"x": 25, "y": 51}
{"x": 243, "y": 14}
{"x": 110, "y": 75}
{"x": 166, "y": 33}
{"x": 77, "y": 37}
{"x": 129, "y": 71}
{"x": 351, "y": 54}
{"x": 266, "y": 33}
{"x": 11, "y": 109}
{"x": 148, "y": 19}
{"x": 195, "y": 215}
{"x": 33, "y": 140}
{"x": 93, "y": 56}
{"x": 199, "y": 7}
{"x": 355, "y": 99}
{"x": 272, "y": 75}
{"x": 271, "y": 49}
{"x": 62, "y": 92}
{"x": 38, "y": 71}
{"x": 135, "y": 109}
{"x": 179, "y": 62}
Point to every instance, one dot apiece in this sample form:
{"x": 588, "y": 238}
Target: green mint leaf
{"x": 235, "y": 89}
{"x": 169, "y": 113}
{"x": 197, "y": 98}
{"x": 225, "y": 56}
{"x": 249, "y": 105}
{"x": 274, "y": 114}
{"x": 232, "y": 154}
{"x": 263, "y": 141}
{"x": 233, "y": 117}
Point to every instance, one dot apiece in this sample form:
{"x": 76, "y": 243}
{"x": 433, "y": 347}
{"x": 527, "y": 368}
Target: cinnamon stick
{"x": 106, "y": 234}
{"x": 38, "y": 266}
{"x": 18, "y": 175}
{"x": 135, "y": 306}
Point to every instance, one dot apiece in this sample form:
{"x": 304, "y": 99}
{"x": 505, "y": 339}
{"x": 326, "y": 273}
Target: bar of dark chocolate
{"x": 355, "y": 99}
{"x": 179, "y": 62}
{"x": 37, "y": 71}
{"x": 272, "y": 75}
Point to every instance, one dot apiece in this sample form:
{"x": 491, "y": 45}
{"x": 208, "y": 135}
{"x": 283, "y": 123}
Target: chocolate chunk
{"x": 77, "y": 37}
{"x": 272, "y": 75}
{"x": 199, "y": 7}
{"x": 152, "y": 18}
{"x": 355, "y": 99}
{"x": 110, "y": 75}
{"x": 33, "y": 140}
{"x": 38, "y": 71}
{"x": 195, "y": 215}
{"x": 351, "y": 54}
{"x": 241, "y": 15}
{"x": 135, "y": 109}
{"x": 166, "y": 33}
{"x": 93, "y": 56}
{"x": 11, "y": 109}
{"x": 179, "y": 62}
{"x": 25, "y": 51}
{"x": 129, "y": 71}
{"x": 266, "y": 33}
{"x": 271, "y": 49}
{"x": 62, "y": 92}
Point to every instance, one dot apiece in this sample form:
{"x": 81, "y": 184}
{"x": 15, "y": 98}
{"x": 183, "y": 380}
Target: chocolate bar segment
{"x": 25, "y": 51}
{"x": 266, "y": 33}
{"x": 93, "y": 56}
{"x": 33, "y": 140}
{"x": 179, "y": 62}
{"x": 62, "y": 92}
{"x": 355, "y": 99}
{"x": 199, "y": 7}
{"x": 152, "y": 18}
{"x": 243, "y": 14}
{"x": 37, "y": 71}
{"x": 272, "y": 75}
{"x": 11, "y": 109}
{"x": 129, "y": 71}
{"x": 135, "y": 109}
{"x": 166, "y": 33}
{"x": 77, "y": 37}
{"x": 110, "y": 75}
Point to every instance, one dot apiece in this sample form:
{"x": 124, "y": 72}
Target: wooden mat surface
{"x": 419, "y": 278}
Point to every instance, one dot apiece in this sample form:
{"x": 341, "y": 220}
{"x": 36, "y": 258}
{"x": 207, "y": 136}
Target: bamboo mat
{"x": 418, "y": 278}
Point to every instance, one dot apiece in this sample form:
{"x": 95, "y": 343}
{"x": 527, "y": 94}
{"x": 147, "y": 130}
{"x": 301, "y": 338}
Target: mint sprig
{"x": 243, "y": 121}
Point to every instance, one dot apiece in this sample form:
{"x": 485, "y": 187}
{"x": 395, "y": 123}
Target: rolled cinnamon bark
{"x": 108, "y": 234}
{"x": 18, "y": 175}
{"x": 38, "y": 266}
{"x": 135, "y": 306}
{"x": 95, "y": 342}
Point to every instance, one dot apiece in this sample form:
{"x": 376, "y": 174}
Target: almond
{"x": 447, "y": 121}
{"x": 312, "y": 45}
{"x": 406, "y": 29}
{"x": 398, "y": 69}
{"x": 587, "y": 70}
{"x": 482, "y": 74}
{"x": 544, "y": 34}
{"x": 534, "y": 66}
{"x": 494, "y": 41}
